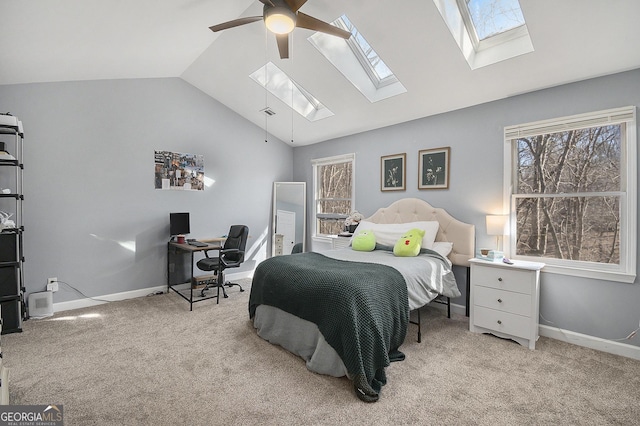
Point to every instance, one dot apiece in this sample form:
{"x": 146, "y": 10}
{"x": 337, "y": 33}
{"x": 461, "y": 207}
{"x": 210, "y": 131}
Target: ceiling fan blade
{"x": 311, "y": 23}
{"x": 235, "y": 23}
{"x": 267, "y": 2}
{"x": 294, "y": 5}
{"x": 283, "y": 45}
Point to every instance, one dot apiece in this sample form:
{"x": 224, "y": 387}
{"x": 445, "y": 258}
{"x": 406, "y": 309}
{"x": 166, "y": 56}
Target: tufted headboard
{"x": 461, "y": 234}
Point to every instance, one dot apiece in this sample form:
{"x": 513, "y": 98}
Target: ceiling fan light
{"x": 280, "y": 20}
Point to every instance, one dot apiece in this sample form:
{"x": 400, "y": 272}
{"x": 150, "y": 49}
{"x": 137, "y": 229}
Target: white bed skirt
{"x": 300, "y": 337}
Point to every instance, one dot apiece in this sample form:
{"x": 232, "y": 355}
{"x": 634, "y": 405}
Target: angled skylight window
{"x": 493, "y": 17}
{"x": 487, "y": 31}
{"x": 358, "y": 62}
{"x": 291, "y": 93}
{"x": 379, "y": 71}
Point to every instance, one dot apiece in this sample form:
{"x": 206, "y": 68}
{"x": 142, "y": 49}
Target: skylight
{"x": 291, "y": 93}
{"x": 493, "y": 17}
{"x": 487, "y": 31}
{"x": 379, "y": 71}
{"x": 358, "y": 62}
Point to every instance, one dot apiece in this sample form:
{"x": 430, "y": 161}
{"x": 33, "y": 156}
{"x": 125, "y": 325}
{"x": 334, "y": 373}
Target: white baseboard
{"x": 584, "y": 340}
{"x": 99, "y": 300}
{"x": 609, "y": 346}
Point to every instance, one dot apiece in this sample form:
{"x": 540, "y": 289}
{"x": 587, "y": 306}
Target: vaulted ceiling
{"x": 69, "y": 40}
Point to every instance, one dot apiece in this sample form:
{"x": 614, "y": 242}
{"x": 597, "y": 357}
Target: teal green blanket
{"x": 361, "y": 309}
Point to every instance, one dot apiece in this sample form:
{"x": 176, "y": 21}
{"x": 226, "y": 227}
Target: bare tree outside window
{"x": 568, "y": 194}
{"x": 491, "y": 17}
{"x": 573, "y": 192}
{"x": 334, "y": 196}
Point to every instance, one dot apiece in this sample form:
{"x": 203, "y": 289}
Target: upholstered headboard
{"x": 461, "y": 234}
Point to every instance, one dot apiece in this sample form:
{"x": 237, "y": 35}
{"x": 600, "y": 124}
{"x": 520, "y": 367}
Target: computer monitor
{"x": 178, "y": 224}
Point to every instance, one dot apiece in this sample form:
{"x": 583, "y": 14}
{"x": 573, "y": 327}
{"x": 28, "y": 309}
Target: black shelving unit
{"x": 12, "y": 289}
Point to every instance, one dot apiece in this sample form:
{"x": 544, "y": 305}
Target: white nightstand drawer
{"x": 502, "y": 300}
{"x": 503, "y": 322}
{"x": 502, "y": 278}
{"x": 340, "y": 242}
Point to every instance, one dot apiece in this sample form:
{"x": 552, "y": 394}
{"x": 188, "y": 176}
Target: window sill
{"x": 323, "y": 238}
{"x": 615, "y": 276}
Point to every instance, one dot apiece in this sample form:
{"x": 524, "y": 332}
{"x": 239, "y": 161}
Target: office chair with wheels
{"x": 231, "y": 255}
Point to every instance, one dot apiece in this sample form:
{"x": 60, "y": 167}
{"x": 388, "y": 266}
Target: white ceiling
{"x": 67, "y": 40}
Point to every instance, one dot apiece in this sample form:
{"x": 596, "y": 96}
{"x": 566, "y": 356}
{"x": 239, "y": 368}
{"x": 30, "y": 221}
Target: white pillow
{"x": 364, "y": 224}
{"x": 387, "y": 234}
{"x": 443, "y": 248}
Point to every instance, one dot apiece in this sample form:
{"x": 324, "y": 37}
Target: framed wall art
{"x": 433, "y": 168}
{"x": 175, "y": 170}
{"x": 393, "y": 174}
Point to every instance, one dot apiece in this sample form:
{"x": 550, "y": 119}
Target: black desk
{"x": 175, "y": 258}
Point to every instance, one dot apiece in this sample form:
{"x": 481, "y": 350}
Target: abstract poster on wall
{"x": 174, "y": 170}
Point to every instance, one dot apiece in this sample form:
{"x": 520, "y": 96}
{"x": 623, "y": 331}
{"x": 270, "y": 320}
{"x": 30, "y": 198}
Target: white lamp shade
{"x": 496, "y": 224}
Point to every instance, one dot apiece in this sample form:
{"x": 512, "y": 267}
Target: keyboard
{"x": 197, "y": 244}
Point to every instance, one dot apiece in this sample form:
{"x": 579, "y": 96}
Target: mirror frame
{"x": 303, "y": 203}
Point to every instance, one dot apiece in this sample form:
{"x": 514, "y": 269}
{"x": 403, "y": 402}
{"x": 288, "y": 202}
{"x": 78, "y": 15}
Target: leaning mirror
{"x": 289, "y": 215}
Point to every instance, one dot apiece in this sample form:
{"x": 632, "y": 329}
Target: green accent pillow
{"x": 409, "y": 244}
{"x": 364, "y": 241}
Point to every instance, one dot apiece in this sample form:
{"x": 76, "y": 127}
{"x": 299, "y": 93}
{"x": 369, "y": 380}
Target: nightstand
{"x": 339, "y": 242}
{"x": 504, "y": 300}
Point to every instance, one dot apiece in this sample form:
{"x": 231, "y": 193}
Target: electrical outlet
{"x": 52, "y": 284}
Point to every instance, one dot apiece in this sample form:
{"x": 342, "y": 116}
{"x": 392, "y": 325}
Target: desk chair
{"x": 231, "y": 255}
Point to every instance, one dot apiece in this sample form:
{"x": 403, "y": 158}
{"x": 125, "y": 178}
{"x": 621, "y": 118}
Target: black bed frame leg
{"x": 419, "y": 328}
{"x": 418, "y": 323}
{"x": 466, "y": 313}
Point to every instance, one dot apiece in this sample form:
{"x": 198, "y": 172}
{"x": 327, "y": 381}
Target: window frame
{"x": 316, "y": 163}
{"x": 291, "y": 93}
{"x": 481, "y": 53}
{"x": 364, "y": 57}
{"x": 348, "y": 58}
{"x": 626, "y": 270}
{"x": 492, "y": 40}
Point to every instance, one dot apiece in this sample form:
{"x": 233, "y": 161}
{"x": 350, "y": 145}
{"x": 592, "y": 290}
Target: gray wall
{"x": 89, "y": 179}
{"x": 604, "y": 309}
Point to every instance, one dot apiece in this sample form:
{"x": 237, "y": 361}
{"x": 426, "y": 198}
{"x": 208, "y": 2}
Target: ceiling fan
{"x": 281, "y": 17}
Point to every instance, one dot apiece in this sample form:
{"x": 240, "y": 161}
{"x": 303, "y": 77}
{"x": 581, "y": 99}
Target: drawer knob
{"x": 499, "y": 300}
{"x": 500, "y": 279}
{"x": 499, "y": 322}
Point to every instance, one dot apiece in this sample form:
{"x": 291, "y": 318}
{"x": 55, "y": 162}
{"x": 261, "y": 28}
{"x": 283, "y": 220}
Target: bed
{"x": 346, "y": 312}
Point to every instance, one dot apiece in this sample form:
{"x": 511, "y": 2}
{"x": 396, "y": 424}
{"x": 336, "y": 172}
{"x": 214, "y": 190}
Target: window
{"x": 279, "y": 84}
{"x": 573, "y": 196}
{"x": 488, "y": 18}
{"x": 378, "y": 71}
{"x": 486, "y": 31}
{"x": 333, "y": 192}
{"x": 356, "y": 59}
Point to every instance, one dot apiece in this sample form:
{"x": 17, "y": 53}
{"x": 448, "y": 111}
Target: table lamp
{"x": 495, "y": 226}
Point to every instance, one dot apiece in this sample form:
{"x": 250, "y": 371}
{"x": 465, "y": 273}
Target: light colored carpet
{"x": 149, "y": 361}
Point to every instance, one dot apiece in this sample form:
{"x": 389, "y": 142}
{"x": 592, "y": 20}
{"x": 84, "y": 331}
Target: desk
{"x": 175, "y": 253}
